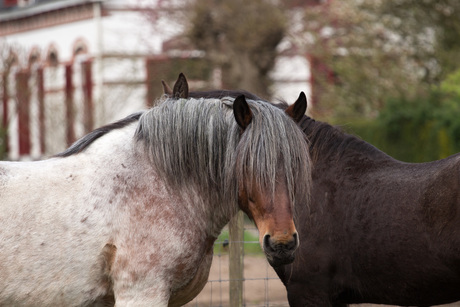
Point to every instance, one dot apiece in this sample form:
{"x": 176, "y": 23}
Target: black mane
{"x": 88, "y": 139}
{"x": 325, "y": 138}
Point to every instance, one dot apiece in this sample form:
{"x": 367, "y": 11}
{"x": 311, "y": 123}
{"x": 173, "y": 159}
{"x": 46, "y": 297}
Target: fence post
{"x": 235, "y": 233}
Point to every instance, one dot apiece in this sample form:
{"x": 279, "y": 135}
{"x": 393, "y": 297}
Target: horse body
{"x": 378, "y": 230}
{"x": 67, "y": 252}
{"x": 129, "y": 213}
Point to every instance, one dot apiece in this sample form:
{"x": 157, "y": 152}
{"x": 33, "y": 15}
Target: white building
{"x": 79, "y": 64}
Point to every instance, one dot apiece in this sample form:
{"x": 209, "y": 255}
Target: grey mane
{"x": 196, "y": 144}
{"x": 192, "y": 144}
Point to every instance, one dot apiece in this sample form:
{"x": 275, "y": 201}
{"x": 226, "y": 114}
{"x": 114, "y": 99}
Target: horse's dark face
{"x": 274, "y": 220}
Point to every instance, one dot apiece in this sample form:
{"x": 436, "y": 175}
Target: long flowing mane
{"x": 197, "y": 144}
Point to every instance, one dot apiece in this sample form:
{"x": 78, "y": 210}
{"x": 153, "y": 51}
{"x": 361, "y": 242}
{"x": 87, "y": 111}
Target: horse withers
{"x": 129, "y": 213}
{"x": 377, "y": 230}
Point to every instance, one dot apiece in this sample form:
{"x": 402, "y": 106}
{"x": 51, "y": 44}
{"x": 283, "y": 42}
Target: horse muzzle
{"x": 279, "y": 253}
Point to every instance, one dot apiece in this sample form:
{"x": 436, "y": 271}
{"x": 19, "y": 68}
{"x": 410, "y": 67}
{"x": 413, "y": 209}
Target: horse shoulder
{"x": 187, "y": 292}
{"x": 440, "y": 200}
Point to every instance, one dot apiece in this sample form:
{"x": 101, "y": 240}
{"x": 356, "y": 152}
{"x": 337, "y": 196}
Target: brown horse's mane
{"x": 326, "y": 139}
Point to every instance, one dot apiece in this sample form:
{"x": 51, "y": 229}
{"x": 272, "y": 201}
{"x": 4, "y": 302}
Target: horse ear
{"x": 180, "y": 89}
{"x": 166, "y": 89}
{"x": 297, "y": 110}
{"x": 242, "y": 112}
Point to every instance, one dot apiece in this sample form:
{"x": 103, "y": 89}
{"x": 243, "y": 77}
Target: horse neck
{"x": 132, "y": 172}
{"x": 211, "y": 216}
{"x": 330, "y": 143}
{"x": 205, "y": 205}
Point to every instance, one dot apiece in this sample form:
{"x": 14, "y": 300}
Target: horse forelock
{"x": 273, "y": 148}
{"x": 196, "y": 144}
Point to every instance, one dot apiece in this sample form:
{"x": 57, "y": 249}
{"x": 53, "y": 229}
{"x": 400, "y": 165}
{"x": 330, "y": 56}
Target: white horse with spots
{"x": 128, "y": 214}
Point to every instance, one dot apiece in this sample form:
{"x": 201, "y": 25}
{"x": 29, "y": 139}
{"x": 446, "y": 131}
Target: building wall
{"x": 116, "y": 39}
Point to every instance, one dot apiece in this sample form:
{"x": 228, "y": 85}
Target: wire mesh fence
{"x": 260, "y": 284}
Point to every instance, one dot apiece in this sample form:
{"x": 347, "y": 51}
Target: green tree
{"x": 436, "y": 18}
{"x": 381, "y": 50}
{"x": 451, "y": 84}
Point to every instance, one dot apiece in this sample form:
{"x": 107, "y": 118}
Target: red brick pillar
{"x": 5, "y": 108}
{"x": 41, "y": 109}
{"x": 23, "y": 98}
{"x": 86, "y": 68}
{"x": 70, "y": 114}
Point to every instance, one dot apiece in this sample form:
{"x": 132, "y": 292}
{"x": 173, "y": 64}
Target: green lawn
{"x": 251, "y": 244}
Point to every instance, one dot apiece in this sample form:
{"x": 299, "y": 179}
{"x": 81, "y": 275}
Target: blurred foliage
{"x": 240, "y": 37}
{"x": 396, "y": 67}
{"x": 451, "y": 84}
{"x": 416, "y": 20}
{"x": 419, "y": 130}
{"x": 379, "y": 51}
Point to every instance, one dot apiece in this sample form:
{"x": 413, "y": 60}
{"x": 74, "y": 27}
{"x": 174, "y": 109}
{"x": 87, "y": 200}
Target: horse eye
{"x": 251, "y": 199}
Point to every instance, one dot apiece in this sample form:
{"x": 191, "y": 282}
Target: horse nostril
{"x": 295, "y": 240}
{"x": 268, "y": 243}
{"x": 271, "y": 245}
{"x": 291, "y": 245}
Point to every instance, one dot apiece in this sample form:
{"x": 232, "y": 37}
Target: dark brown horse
{"x": 377, "y": 230}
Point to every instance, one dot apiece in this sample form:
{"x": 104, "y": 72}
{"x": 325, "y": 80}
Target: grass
{"x": 251, "y": 244}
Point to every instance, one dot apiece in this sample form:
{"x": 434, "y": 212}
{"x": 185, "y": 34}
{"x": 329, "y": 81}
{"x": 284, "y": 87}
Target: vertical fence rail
{"x": 236, "y": 266}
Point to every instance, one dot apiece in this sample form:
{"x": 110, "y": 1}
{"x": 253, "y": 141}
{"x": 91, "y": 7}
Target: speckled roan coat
{"x": 128, "y": 214}
{"x": 377, "y": 230}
